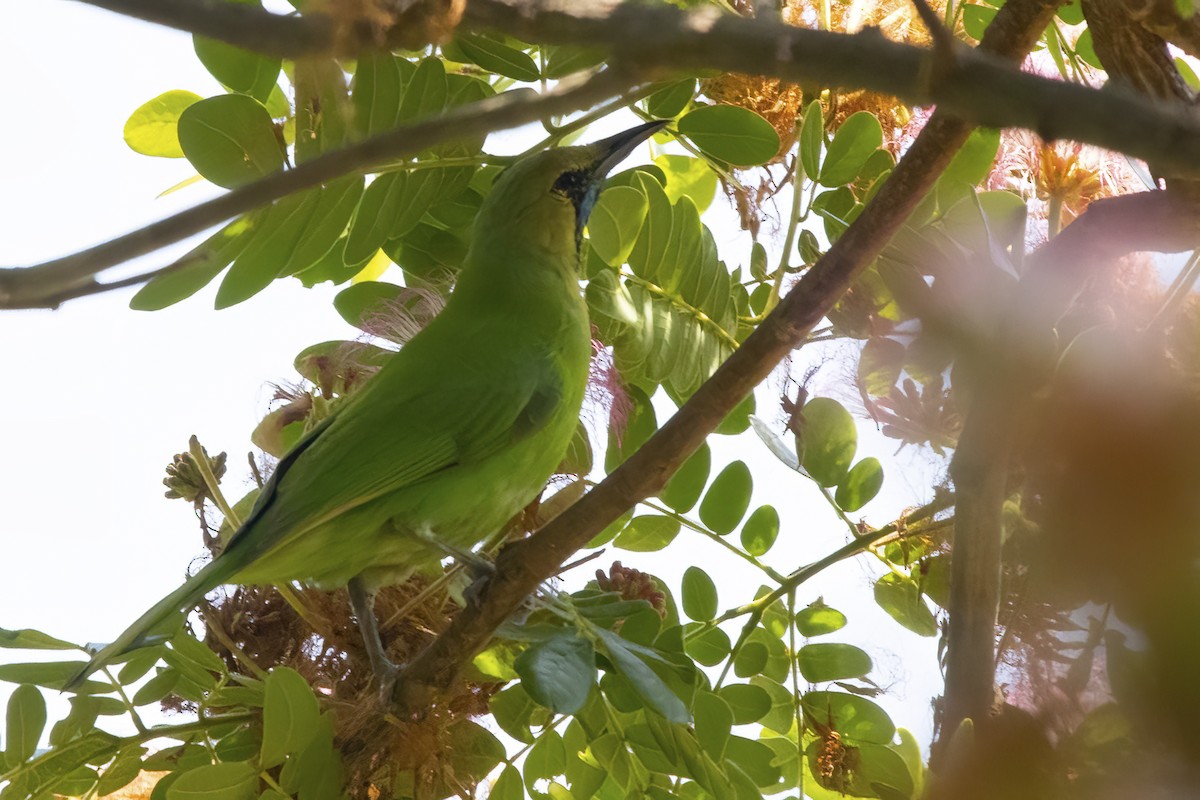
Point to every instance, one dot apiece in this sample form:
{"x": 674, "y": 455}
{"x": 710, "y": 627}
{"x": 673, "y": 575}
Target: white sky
{"x": 97, "y": 397}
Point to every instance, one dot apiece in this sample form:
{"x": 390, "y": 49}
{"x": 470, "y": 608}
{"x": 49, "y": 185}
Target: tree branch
{"x": 248, "y": 26}
{"x": 45, "y": 285}
{"x": 977, "y": 86}
{"x": 523, "y": 565}
{"x": 1003, "y": 376}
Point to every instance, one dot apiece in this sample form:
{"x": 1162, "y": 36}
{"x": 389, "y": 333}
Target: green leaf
{"x": 812, "y": 138}
{"x": 24, "y": 721}
{"x": 390, "y": 208}
{"x": 855, "y": 141}
{"x": 970, "y": 165}
{"x": 653, "y": 691}
{"x": 699, "y": 595}
{"x": 687, "y": 484}
{"x": 884, "y": 770}
{"x": 474, "y": 751}
{"x": 316, "y": 772}
{"x": 329, "y": 215}
{"x": 236, "y": 780}
{"x": 427, "y": 91}
{"x": 830, "y": 661}
{"x": 760, "y": 531}
{"x": 782, "y": 716}
{"x": 153, "y": 128}
{"x": 76, "y": 783}
{"x": 726, "y": 501}
{"x": 647, "y": 534}
{"x": 751, "y": 660}
{"x": 230, "y": 139}
{"x": 608, "y": 296}
{"x": 290, "y": 715}
{"x": 710, "y": 647}
{"x": 547, "y": 758}
{"x": 29, "y": 639}
{"x": 860, "y": 485}
{"x": 830, "y": 439}
{"x": 855, "y": 718}
{"x": 378, "y": 84}
{"x": 271, "y": 245}
{"x": 713, "y": 722}
{"x": 156, "y": 688}
{"x": 196, "y": 269}
{"x": 515, "y": 711}
{"x": 188, "y": 647}
{"x": 1072, "y": 12}
{"x": 497, "y": 57}
{"x": 359, "y": 302}
{"x": 880, "y": 364}
{"x": 615, "y": 222}
{"x": 669, "y": 101}
{"x": 819, "y": 619}
{"x": 560, "y": 672}
{"x": 688, "y": 177}
{"x": 755, "y": 759}
{"x": 566, "y": 60}
{"x": 731, "y": 134}
{"x": 241, "y": 70}
{"x": 50, "y": 674}
{"x": 976, "y": 19}
{"x": 901, "y": 599}
{"x": 737, "y": 420}
{"x": 748, "y": 702}
{"x": 508, "y": 786}
{"x": 124, "y": 768}
{"x": 323, "y": 116}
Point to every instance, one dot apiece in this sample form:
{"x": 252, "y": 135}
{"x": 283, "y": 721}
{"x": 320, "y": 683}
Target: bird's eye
{"x": 572, "y": 184}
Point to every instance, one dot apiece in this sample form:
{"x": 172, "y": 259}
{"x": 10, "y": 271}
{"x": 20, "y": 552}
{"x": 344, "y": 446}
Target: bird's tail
{"x": 185, "y": 597}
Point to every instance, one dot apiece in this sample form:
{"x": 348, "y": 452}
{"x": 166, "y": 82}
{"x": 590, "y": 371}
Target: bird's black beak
{"x": 609, "y": 152}
{"x": 614, "y": 149}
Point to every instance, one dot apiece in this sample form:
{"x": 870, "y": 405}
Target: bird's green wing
{"x": 397, "y": 432}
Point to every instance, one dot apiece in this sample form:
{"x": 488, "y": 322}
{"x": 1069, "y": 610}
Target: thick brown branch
{"x": 522, "y": 566}
{"x": 1151, "y": 221}
{"x": 249, "y": 26}
{"x": 45, "y": 285}
{"x": 979, "y": 88}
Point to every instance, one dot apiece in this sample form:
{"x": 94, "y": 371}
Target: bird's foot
{"x": 473, "y": 594}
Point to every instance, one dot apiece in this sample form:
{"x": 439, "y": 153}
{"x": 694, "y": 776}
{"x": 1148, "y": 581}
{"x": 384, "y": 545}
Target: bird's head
{"x": 557, "y": 189}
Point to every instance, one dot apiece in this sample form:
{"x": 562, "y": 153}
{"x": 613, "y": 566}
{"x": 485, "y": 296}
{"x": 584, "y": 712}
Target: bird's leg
{"x": 362, "y": 602}
{"x": 477, "y": 565}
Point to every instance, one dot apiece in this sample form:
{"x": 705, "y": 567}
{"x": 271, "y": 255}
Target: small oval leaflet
{"x": 699, "y": 594}
{"x": 760, "y": 531}
{"x": 290, "y": 714}
{"x": 559, "y": 673}
{"x": 832, "y": 661}
{"x": 731, "y": 134}
{"x": 726, "y": 501}
{"x": 230, "y": 139}
{"x": 830, "y": 438}
{"x": 153, "y": 128}
{"x": 819, "y": 619}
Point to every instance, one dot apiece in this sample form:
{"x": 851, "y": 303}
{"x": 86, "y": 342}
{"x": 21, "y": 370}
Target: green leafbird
{"x": 456, "y": 433}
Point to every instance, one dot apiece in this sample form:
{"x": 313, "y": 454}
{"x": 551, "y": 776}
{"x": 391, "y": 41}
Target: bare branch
{"x": 45, "y": 285}
{"x": 248, "y": 26}
{"x": 523, "y": 565}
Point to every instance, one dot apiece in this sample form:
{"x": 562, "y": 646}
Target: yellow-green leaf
{"x": 153, "y": 128}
